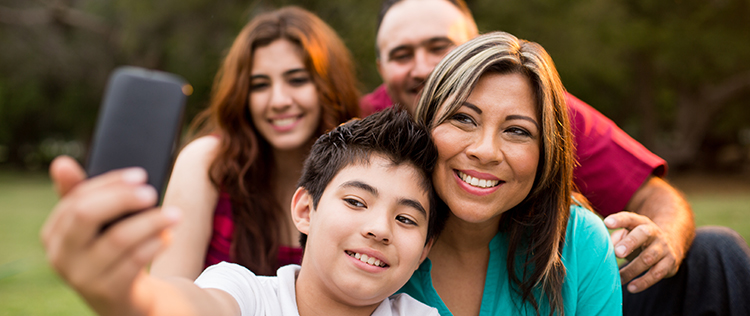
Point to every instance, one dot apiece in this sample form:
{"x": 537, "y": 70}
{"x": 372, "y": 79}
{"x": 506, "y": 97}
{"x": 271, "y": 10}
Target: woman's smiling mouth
{"x": 476, "y": 182}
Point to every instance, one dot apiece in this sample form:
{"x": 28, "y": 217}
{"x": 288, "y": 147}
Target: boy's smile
{"x": 367, "y": 235}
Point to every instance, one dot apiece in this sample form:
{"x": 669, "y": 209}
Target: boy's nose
{"x": 379, "y": 228}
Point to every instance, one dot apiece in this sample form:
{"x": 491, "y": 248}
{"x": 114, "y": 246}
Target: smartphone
{"x": 139, "y": 123}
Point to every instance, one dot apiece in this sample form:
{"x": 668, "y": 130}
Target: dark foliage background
{"x": 675, "y": 74}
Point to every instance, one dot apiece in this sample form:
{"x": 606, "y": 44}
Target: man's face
{"x": 413, "y": 37}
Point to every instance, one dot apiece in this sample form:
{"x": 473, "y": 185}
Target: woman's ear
{"x": 302, "y": 206}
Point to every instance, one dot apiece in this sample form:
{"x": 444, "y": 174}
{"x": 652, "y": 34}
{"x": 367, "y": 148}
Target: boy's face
{"x": 367, "y": 235}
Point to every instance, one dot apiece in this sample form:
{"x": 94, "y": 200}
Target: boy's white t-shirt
{"x": 275, "y": 295}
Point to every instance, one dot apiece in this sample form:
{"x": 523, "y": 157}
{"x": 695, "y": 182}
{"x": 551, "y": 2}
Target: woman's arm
{"x": 191, "y": 190}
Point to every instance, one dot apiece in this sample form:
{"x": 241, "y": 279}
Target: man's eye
{"x": 440, "y": 49}
{"x": 405, "y": 220}
{"x": 354, "y": 202}
{"x": 401, "y": 57}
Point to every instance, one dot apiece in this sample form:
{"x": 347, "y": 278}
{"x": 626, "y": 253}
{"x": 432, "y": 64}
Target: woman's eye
{"x": 354, "y": 202}
{"x": 463, "y": 118}
{"x": 517, "y": 131}
{"x": 405, "y": 220}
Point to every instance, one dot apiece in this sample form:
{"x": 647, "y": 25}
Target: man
{"x": 616, "y": 173}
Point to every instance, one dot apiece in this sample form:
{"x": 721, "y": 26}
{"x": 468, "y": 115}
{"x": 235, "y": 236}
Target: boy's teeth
{"x": 283, "y": 122}
{"x": 364, "y": 258}
{"x": 476, "y": 182}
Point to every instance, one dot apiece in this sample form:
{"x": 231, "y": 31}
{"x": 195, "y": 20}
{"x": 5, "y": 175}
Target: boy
{"x": 366, "y": 224}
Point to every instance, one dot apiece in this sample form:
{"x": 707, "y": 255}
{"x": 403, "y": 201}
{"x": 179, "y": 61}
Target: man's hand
{"x": 657, "y": 234}
{"x": 655, "y": 252}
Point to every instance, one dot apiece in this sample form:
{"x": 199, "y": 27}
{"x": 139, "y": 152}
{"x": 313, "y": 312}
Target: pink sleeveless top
{"x": 219, "y": 248}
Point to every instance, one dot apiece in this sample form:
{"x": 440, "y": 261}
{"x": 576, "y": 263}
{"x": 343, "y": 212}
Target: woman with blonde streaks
{"x": 518, "y": 240}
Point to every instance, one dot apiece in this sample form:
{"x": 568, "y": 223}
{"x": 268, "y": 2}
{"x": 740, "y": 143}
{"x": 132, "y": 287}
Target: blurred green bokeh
{"x": 673, "y": 74}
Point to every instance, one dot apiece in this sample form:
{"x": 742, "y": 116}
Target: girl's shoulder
{"x": 201, "y": 151}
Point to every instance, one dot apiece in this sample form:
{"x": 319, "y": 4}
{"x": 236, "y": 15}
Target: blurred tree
{"x": 674, "y": 74}
{"x": 668, "y": 72}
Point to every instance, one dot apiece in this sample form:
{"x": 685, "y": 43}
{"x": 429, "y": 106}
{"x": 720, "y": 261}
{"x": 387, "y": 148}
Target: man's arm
{"x": 658, "y": 231}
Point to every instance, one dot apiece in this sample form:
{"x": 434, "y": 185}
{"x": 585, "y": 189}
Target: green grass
{"x": 29, "y": 287}
{"x": 27, "y": 284}
{"x": 732, "y": 211}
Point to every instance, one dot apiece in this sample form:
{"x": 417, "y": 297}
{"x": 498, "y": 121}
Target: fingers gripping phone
{"x": 139, "y": 123}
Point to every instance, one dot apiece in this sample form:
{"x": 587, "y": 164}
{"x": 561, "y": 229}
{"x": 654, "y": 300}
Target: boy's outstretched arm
{"x": 108, "y": 268}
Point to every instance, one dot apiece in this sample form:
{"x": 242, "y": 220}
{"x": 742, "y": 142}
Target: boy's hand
{"x": 106, "y": 268}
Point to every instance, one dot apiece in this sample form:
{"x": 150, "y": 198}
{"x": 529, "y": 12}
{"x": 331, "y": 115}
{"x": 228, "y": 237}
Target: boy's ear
{"x": 302, "y": 206}
{"x": 426, "y": 250}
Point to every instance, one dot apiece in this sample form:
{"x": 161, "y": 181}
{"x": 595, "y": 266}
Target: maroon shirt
{"x": 219, "y": 248}
{"x": 613, "y": 165}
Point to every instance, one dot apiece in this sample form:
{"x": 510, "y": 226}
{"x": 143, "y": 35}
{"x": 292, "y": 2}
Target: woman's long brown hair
{"x": 244, "y": 162}
{"x": 536, "y": 227}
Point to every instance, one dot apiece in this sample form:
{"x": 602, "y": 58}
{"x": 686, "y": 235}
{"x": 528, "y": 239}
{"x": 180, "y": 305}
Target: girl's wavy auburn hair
{"x": 244, "y": 162}
{"x": 536, "y": 227}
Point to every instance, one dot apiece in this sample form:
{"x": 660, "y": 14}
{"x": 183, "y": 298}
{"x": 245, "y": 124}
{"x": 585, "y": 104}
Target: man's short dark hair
{"x": 390, "y": 133}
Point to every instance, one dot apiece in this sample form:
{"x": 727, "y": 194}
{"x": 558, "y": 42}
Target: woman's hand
{"x": 105, "y": 267}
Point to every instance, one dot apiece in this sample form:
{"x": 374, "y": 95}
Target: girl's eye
{"x": 299, "y": 81}
{"x": 463, "y": 118}
{"x": 354, "y": 202}
{"x": 258, "y": 86}
{"x": 405, "y": 220}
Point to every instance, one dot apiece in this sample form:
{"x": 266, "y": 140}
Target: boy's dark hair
{"x": 390, "y": 133}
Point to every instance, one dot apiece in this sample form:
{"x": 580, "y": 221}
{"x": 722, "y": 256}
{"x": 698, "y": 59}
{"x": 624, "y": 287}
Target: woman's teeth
{"x": 368, "y": 260}
{"x": 284, "y": 122}
{"x": 476, "y": 182}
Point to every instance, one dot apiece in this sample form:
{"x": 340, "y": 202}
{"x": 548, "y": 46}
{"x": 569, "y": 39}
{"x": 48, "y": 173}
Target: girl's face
{"x": 488, "y": 150}
{"x": 284, "y": 103}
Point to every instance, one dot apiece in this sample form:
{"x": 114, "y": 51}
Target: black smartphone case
{"x": 139, "y": 123}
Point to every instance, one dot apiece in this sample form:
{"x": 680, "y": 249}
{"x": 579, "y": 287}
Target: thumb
{"x": 66, "y": 173}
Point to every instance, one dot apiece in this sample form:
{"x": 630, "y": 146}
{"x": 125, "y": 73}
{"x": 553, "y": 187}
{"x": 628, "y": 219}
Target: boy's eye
{"x": 405, "y": 220}
{"x": 354, "y": 202}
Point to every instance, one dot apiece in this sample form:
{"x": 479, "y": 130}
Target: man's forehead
{"x": 412, "y": 22}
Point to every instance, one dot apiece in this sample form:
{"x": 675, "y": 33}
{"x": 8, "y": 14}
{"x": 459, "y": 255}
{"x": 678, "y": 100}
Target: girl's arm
{"x": 191, "y": 190}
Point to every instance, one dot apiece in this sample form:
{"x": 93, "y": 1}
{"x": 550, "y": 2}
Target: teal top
{"x": 592, "y": 278}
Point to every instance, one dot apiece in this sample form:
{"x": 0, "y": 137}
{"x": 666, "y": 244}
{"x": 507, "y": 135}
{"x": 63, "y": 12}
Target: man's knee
{"x": 715, "y": 242}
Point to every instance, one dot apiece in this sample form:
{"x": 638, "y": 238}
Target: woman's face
{"x": 488, "y": 150}
{"x": 284, "y": 102}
